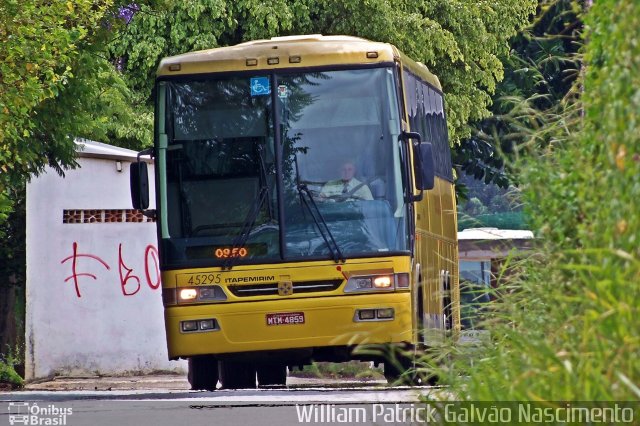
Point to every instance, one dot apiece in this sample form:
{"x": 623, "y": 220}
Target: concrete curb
{"x": 104, "y": 383}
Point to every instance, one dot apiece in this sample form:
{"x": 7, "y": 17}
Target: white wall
{"x": 108, "y": 328}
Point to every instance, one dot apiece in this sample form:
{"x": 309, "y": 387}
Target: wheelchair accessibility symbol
{"x": 260, "y": 86}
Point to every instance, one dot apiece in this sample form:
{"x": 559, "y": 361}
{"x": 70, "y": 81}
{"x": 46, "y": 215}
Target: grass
{"x": 567, "y": 328}
{"x": 9, "y": 378}
{"x": 355, "y": 370}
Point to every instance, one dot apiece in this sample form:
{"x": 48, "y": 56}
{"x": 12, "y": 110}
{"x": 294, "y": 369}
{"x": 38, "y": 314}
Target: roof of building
{"x": 93, "y": 149}
{"x": 483, "y": 234}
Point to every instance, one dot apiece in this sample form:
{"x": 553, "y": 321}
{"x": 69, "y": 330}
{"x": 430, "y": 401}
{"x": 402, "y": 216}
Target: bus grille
{"x": 272, "y": 289}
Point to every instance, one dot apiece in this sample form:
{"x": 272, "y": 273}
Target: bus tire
{"x": 203, "y": 373}
{"x": 399, "y": 371}
{"x": 403, "y": 367}
{"x": 272, "y": 374}
{"x": 237, "y": 375}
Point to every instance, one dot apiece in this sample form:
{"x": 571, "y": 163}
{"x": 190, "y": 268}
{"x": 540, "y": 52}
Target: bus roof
{"x": 290, "y": 52}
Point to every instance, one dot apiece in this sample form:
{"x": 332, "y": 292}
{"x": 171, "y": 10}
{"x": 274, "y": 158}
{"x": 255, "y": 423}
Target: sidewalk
{"x": 106, "y": 383}
{"x": 166, "y": 382}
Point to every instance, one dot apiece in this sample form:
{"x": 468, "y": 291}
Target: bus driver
{"x": 347, "y": 187}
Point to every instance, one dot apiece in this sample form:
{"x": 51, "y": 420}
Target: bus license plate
{"x": 285, "y": 318}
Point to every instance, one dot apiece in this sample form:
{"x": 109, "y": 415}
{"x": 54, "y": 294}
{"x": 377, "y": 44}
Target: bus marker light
{"x": 188, "y": 294}
{"x": 386, "y": 313}
{"x": 189, "y": 325}
{"x": 175, "y": 67}
{"x": 402, "y": 280}
{"x": 252, "y": 62}
{"x": 208, "y": 324}
{"x": 384, "y": 281}
{"x": 295, "y": 59}
{"x": 367, "y": 314}
{"x": 372, "y": 55}
{"x": 273, "y": 61}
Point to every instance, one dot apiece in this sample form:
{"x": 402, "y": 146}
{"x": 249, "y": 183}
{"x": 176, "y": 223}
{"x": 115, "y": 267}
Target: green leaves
{"x": 459, "y": 40}
{"x": 539, "y": 71}
{"x": 56, "y": 84}
{"x": 567, "y": 329}
{"x": 40, "y": 42}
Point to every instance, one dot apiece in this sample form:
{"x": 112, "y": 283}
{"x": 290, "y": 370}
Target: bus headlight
{"x": 375, "y": 283}
{"x": 188, "y": 294}
{"x": 212, "y": 293}
{"x": 359, "y": 283}
{"x": 384, "y": 281}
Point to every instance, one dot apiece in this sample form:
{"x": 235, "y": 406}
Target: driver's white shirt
{"x": 335, "y": 187}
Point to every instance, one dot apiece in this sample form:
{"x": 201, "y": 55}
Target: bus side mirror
{"x": 427, "y": 173}
{"x": 423, "y": 164}
{"x": 139, "y": 181}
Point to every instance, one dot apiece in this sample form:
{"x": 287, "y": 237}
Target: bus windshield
{"x": 289, "y": 166}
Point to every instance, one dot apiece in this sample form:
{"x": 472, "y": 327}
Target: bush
{"x": 568, "y": 328}
{"x": 8, "y": 374}
{"x": 344, "y": 370}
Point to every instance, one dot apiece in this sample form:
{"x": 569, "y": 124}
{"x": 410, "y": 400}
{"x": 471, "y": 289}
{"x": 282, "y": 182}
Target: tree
{"x": 40, "y": 42}
{"x": 460, "y": 40}
{"x": 56, "y": 84}
{"x": 540, "y": 70}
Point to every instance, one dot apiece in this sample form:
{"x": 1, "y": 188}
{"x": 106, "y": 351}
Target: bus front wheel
{"x": 405, "y": 370}
{"x": 399, "y": 371}
{"x": 272, "y": 374}
{"x": 237, "y": 375}
{"x": 203, "y": 373}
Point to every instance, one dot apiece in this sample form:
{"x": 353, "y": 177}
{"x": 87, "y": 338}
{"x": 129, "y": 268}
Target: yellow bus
{"x": 305, "y": 206}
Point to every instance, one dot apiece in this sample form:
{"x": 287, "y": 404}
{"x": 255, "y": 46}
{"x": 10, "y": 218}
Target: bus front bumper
{"x": 277, "y": 324}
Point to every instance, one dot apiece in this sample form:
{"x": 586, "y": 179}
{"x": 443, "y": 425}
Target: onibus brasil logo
{"x": 25, "y": 413}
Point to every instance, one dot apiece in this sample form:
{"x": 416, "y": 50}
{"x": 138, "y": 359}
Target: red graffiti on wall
{"x": 74, "y": 274}
{"x": 130, "y": 283}
{"x": 124, "y": 279}
{"x": 151, "y": 253}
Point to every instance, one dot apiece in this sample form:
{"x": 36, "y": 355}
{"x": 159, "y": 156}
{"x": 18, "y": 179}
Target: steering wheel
{"x": 342, "y": 197}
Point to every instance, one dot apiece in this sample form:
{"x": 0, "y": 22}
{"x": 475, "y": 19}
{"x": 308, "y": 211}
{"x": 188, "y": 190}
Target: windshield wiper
{"x": 249, "y": 223}
{"x": 265, "y": 180}
{"x": 325, "y": 232}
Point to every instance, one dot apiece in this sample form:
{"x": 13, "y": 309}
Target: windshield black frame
{"x": 170, "y": 261}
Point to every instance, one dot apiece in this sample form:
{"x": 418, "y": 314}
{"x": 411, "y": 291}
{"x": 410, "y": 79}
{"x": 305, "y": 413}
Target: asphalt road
{"x": 166, "y": 401}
